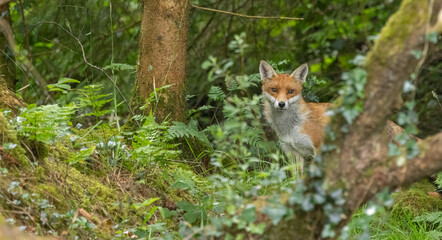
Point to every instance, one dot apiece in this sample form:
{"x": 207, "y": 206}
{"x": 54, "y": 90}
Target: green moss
{"x": 53, "y": 193}
{"x": 89, "y": 192}
{"x": 416, "y": 200}
{"x": 193, "y": 148}
{"x": 10, "y": 136}
{"x": 394, "y": 34}
{"x": 423, "y": 185}
{"x": 40, "y": 173}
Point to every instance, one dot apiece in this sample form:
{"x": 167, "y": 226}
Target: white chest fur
{"x": 288, "y": 126}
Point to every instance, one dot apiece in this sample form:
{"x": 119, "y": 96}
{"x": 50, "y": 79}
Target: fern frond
{"x": 216, "y": 93}
{"x": 434, "y": 218}
{"x": 47, "y": 123}
{"x": 120, "y": 67}
{"x": 179, "y": 129}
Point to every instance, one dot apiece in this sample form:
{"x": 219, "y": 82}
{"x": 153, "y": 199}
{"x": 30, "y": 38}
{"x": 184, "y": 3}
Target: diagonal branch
{"x": 393, "y": 176}
{"x": 244, "y": 15}
{"x": 362, "y": 165}
{"x": 427, "y": 163}
{"x": 389, "y": 64}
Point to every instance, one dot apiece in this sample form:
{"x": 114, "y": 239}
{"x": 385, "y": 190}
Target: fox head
{"x": 282, "y": 90}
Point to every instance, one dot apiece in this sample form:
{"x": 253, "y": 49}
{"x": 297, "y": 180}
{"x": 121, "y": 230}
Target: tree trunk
{"x": 162, "y": 60}
{"x": 8, "y": 100}
{"x": 7, "y": 65}
{"x": 360, "y": 165}
{"x": 389, "y": 64}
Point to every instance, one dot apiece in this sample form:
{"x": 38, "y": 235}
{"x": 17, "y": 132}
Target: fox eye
{"x": 274, "y": 90}
{"x": 291, "y": 91}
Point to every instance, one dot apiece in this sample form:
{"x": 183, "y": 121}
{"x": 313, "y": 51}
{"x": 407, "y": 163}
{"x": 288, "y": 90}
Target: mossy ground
{"x": 39, "y": 192}
{"x": 398, "y": 221}
{"x": 46, "y": 193}
{"x": 416, "y": 200}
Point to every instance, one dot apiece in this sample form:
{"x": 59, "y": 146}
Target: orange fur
{"x": 316, "y": 120}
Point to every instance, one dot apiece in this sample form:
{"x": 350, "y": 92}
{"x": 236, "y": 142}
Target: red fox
{"x": 298, "y": 124}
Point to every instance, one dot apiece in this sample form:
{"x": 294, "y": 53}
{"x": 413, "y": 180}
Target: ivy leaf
{"x": 192, "y": 216}
{"x": 249, "y": 214}
{"x": 257, "y": 229}
{"x": 183, "y": 184}
{"x": 327, "y": 232}
{"x": 432, "y": 37}
{"x": 208, "y": 201}
{"x": 307, "y": 204}
{"x": 275, "y": 213}
{"x": 186, "y": 206}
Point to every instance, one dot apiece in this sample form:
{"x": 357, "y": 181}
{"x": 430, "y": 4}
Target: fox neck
{"x": 286, "y": 120}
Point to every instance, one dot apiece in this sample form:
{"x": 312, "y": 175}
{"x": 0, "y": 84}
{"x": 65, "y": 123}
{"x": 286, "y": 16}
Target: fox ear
{"x": 266, "y": 71}
{"x": 300, "y": 73}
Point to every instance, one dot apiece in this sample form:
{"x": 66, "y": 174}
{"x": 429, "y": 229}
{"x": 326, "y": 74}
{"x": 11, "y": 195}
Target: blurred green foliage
{"x": 56, "y": 55}
{"x": 331, "y": 38}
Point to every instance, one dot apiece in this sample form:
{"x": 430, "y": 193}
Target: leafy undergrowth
{"x": 101, "y": 183}
{"x": 62, "y": 181}
{"x": 55, "y": 198}
{"x": 106, "y": 181}
{"x": 172, "y": 180}
{"x": 414, "y": 215}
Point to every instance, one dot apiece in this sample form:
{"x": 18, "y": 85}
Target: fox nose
{"x": 281, "y": 104}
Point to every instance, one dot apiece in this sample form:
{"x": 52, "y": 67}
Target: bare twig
{"x": 244, "y": 15}
{"x": 195, "y": 40}
{"x": 93, "y": 66}
{"x": 25, "y": 29}
{"x": 30, "y": 151}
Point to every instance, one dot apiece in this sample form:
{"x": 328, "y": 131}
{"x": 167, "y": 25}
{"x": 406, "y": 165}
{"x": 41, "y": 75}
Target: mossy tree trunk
{"x": 360, "y": 165}
{"x": 7, "y": 66}
{"x": 8, "y": 99}
{"x": 162, "y": 57}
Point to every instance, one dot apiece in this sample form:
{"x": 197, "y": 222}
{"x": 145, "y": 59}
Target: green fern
{"x": 216, "y": 93}
{"x": 179, "y": 129}
{"x": 153, "y": 97}
{"x": 152, "y": 144}
{"x": 439, "y": 180}
{"x": 47, "y": 123}
{"x": 120, "y": 67}
{"x": 254, "y": 137}
{"x": 434, "y": 218}
{"x": 202, "y": 108}
{"x": 91, "y": 98}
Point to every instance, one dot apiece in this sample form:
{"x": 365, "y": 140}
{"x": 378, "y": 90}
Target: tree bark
{"x": 162, "y": 60}
{"x": 8, "y": 99}
{"x": 7, "y": 66}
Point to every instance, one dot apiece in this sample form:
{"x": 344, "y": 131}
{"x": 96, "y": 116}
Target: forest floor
{"x": 42, "y": 193}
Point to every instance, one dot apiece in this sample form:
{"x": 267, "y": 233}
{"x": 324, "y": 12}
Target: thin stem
{"x": 244, "y": 15}
{"x": 93, "y": 66}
